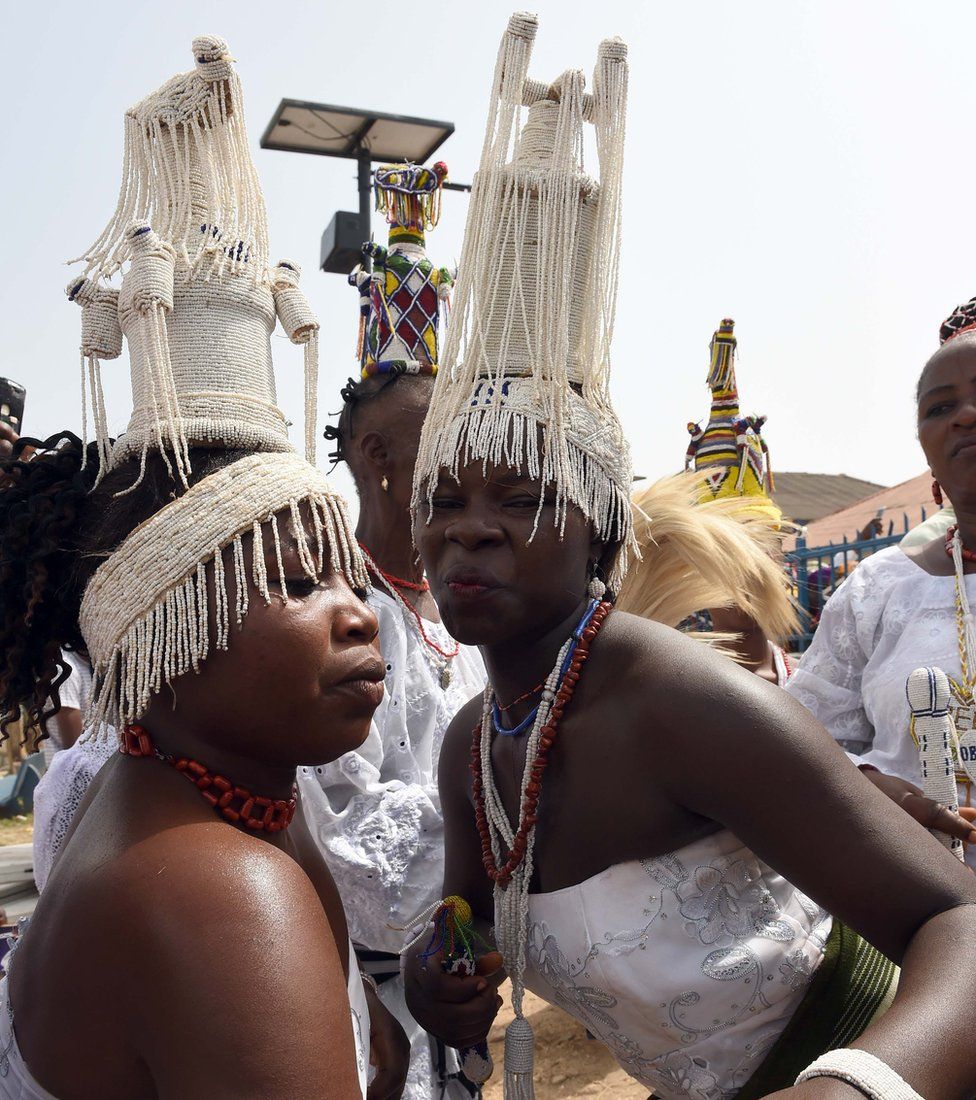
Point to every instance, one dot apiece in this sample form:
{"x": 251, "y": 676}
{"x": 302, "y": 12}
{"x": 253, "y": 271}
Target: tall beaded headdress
{"x": 524, "y": 377}
{"x": 198, "y": 300}
{"x": 197, "y": 305}
{"x": 730, "y": 450}
{"x": 400, "y": 299}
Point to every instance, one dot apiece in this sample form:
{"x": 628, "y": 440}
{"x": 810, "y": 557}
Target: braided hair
{"x": 961, "y": 319}
{"x": 354, "y": 393}
{"x": 56, "y": 528}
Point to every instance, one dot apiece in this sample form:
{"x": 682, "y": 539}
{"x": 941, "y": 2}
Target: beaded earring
{"x": 385, "y": 484}
{"x": 596, "y": 588}
{"x": 937, "y": 493}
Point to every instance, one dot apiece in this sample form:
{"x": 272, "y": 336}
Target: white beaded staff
{"x": 145, "y": 613}
{"x": 199, "y": 300}
{"x": 935, "y": 735}
{"x": 524, "y": 375}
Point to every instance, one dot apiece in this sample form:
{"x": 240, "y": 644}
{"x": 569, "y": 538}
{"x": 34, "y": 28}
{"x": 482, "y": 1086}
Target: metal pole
{"x": 365, "y": 198}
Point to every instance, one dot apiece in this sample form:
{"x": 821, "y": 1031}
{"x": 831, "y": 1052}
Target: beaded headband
{"x": 528, "y": 347}
{"x": 198, "y": 300}
{"x": 145, "y": 613}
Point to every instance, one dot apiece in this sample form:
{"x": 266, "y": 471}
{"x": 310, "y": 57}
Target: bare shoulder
{"x": 687, "y": 692}
{"x": 222, "y": 918}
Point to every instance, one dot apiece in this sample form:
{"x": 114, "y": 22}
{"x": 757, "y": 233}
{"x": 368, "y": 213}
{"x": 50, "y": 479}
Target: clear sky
{"x": 804, "y": 167}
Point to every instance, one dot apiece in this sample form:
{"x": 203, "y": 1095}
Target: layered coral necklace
{"x": 500, "y": 842}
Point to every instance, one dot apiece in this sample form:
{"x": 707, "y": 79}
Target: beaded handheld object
{"x": 400, "y": 300}
{"x": 524, "y": 377}
{"x": 452, "y": 932}
{"x": 932, "y": 729}
{"x": 198, "y": 300}
{"x": 513, "y": 877}
{"x": 730, "y": 449}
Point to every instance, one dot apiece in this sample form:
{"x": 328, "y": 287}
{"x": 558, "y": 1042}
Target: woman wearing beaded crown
{"x": 190, "y": 940}
{"x": 610, "y": 822}
{"x": 375, "y": 812}
{"x": 907, "y": 607}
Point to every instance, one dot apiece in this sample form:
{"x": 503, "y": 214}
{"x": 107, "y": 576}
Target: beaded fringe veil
{"x": 199, "y": 299}
{"x": 524, "y": 375}
{"x": 146, "y": 614}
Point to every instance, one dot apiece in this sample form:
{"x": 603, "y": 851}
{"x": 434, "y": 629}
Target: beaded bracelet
{"x": 876, "y": 1079}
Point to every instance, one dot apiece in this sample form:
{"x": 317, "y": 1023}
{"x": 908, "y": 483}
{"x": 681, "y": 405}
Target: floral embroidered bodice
{"x": 687, "y": 966}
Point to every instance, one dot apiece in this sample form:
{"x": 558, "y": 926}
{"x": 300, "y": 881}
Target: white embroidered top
{"x": 375, "y": 812}
{"x": 687, "y": 966}
{"x": 888, "y": 618}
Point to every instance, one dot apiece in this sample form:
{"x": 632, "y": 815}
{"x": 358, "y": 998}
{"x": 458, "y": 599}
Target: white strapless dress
{"x": 17, "y": 1082}
{"x": 687, "y": 966}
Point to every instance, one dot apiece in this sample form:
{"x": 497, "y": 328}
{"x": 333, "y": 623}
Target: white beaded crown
{"x": 198, "y": 300}
{"x": 197, "y": 305}
{"x": 529, "y": 343}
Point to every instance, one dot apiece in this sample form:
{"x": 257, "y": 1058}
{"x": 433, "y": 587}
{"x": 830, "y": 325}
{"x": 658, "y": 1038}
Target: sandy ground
{"x": 567, "y": 1064}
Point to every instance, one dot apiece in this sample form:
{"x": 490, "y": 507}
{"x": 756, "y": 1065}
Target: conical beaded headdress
{"x": 197, "y": 305}
{"x": 198, "y": 300}
{"x": 524, "y": 376}
{"x": 730, "y": 450}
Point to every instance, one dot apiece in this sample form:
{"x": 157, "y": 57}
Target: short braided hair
{"x": 353, "y": 394}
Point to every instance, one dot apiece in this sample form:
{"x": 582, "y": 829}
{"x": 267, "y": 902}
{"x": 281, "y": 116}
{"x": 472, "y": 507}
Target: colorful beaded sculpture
{"x": 400, "y": 300}
{"x": 730, "y": 449}
{"x": 454, "y": 934}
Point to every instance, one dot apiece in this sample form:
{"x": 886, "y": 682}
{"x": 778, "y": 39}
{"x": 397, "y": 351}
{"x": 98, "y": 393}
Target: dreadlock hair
{"x": 961, "y": 319}
{"x": 353, "y": 394}
{"x": 56, "y": 528}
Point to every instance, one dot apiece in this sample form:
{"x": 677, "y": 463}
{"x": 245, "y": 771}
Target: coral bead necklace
{"x": 237, "y": 804}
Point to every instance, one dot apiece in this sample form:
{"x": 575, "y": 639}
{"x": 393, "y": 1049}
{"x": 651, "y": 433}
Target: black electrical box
{"x": 342, "y": 243}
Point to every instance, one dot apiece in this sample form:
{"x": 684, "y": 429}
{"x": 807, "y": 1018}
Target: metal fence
{"x": 816, "y": 571}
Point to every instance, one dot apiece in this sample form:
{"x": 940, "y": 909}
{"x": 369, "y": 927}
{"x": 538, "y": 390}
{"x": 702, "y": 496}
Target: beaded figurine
{"x": 400, "y": 300}
{"x": 730, "y": 449}
{"x": 932, "y": 729}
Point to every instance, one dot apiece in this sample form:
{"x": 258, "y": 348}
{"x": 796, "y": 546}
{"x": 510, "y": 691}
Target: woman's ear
{"x": 373, "y": 447}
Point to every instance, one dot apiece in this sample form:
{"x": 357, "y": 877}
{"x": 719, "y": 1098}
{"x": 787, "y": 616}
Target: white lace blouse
{"x": 887, "y": 619}
{"x": 375, "y": 812}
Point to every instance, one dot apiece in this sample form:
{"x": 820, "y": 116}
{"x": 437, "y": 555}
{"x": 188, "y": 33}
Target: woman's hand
{"x": 389, "y": 1050}
{"x": 457, "y": 1009}
{"x": 926, "y": 812}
